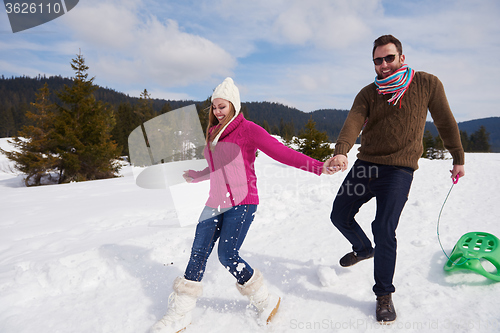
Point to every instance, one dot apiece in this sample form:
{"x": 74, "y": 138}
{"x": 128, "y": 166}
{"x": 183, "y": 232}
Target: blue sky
{"x": 310, "y": 55}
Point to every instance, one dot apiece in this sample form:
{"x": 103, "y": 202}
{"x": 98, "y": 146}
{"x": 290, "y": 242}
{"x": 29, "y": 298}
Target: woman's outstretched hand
{"x": 186, "y": 176}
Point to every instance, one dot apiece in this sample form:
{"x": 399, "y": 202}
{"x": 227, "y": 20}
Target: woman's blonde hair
{"x": 214, "y": 122}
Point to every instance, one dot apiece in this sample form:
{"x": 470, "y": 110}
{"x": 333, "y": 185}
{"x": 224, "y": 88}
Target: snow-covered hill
{"x": 101, "y": 256}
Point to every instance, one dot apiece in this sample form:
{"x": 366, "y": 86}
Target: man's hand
{"x": 336, "y": 163}
{"x": 457, "y": 170}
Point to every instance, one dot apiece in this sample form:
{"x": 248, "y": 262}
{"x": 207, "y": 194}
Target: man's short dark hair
{"x": 387, "y": 39}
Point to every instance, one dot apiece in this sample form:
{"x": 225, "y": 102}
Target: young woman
{"x": 232, "y": 142}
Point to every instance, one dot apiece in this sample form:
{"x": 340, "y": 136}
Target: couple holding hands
{"x": 391, "y": 113}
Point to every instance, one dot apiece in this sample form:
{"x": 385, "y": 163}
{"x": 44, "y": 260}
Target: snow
{"x": 101, "y": 256}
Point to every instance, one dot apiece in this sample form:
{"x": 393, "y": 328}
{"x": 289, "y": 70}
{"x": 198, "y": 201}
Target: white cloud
{"x": 330, "y": 24}
{"x": 107, "y": 25}
{"x": 130, "y": 48}
{"x": 308, "y": 54}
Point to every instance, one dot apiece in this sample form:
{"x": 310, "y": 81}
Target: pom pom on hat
{"x": 227, "y": 90}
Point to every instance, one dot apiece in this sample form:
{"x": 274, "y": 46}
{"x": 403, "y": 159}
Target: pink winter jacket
{"x": 231, "y": 163}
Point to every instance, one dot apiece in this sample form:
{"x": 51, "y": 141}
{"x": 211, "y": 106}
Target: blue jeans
{"x": 390, "y": 185}
{"x": 230, "y": 227}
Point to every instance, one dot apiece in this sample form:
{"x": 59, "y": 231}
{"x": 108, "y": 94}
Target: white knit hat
{"x": 227, "y": 90}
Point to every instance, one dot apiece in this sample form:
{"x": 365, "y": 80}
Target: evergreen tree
{"x": 82, "y": 131}
{"x": 439, "y": 149}
{"x": 287, "y": 130}
{"x": 7, "y": 122}
{"x": 145, "y": 107}
{"x": 144, "y": 111}
{"x": 265, "y": 125}
{"x": 203, "y": 111}
{"x": 428, "y": 143}
{"x": 433, "y": 147}
{"x": 275, "y": 130}
{"x": 479, "y": 141}
{"x": 126, "y": 121}
{"x": 464, "y": 138}
{"x": 33, "y": 154}
{"x": 165, "y": 108}
{"x": 244, "y": 111}
{"x": 314, "y": 143}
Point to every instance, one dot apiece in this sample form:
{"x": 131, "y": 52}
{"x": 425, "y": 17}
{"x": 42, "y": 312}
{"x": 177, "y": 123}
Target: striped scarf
{"x": 396, "y": 84}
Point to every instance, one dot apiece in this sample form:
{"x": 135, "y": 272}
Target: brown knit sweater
{"x": 393, "y": 135}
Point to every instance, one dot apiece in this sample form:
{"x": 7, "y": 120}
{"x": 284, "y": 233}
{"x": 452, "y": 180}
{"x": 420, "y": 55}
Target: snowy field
{"x": 101, "y": 256}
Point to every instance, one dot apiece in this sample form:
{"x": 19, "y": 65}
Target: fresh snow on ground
{"x": 101, "y": 256}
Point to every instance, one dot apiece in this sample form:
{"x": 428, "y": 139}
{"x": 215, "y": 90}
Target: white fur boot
{"x": 180, "y": 306}
{"x": 266, "y": 303}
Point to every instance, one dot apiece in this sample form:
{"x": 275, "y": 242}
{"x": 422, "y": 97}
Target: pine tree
{"x": 428, "y": 144}
{"x": 314, "y": 143}
{"x": 7, "y": 122}
{"x": 244, "y": 111}
{"x": 82, "y": 131}
{"x": 165, "y": 108}
{"x": 126, "y": 121}
{"x": 275, "y": 130}
{"x": 479, "y": 141}
{"x": 265, "y": 125}
{"x": 433, "y": 147}
{"x": 33, "y": 154}
{"x": 145, "y": 107}
{"x": 203, "y": 111}
{"x": 287, "y": 130}
{"x": 439, "y": 149}
{"x": 464, "y": 138}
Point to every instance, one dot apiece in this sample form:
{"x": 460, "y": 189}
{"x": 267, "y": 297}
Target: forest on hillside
{"x": 17, "y": 95}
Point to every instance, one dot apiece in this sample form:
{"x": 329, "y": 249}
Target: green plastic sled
{"x": 470, "y": 249}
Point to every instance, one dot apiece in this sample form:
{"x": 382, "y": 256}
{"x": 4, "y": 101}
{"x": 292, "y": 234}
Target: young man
{"x": 393, "y": 112}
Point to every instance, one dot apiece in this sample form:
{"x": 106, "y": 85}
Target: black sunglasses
{"x": 388, "y": 59}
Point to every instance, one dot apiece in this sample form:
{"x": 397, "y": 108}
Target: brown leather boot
{"x": 352, "y": 258}
{"x": 386, "y": 313}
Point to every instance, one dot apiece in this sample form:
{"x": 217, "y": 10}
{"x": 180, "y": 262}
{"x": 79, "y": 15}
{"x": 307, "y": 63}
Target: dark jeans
{"x": 230, "y": 227}
{"x": 390, "y": 185}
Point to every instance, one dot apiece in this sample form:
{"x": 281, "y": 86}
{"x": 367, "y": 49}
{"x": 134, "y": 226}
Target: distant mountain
{"x": 329, "y": 121}
{"x": 17, "y": 93}
{"x": 492, "y": 126}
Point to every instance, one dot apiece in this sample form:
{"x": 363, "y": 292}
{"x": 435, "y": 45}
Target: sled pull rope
{"x": 455, "y": 181}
